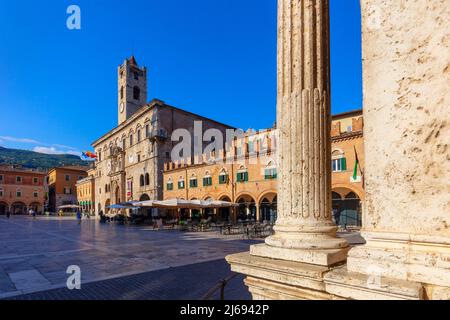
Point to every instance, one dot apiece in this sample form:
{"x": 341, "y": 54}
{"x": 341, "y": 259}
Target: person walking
{"x": 79, "y": 216}
{"x": 8, "y": 214}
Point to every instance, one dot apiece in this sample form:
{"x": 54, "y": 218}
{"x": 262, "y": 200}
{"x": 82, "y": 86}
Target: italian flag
{"x": 355, "y": 170}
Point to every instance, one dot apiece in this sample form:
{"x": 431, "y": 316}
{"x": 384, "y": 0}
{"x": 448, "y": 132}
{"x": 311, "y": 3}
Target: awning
{"x": 69, "y": 206}
{"x": 185, "y": 204}
{"x": 123, "y": 205}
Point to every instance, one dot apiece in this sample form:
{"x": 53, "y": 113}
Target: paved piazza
{"x": 35, "y": 254}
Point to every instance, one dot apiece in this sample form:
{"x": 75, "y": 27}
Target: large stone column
{"x": 406, "y": 222}
{"x": 292, "y": 263}
{"x": 304, "y": 230}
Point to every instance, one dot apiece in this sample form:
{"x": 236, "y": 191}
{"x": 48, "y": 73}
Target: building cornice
{"x": 347, "y": 136}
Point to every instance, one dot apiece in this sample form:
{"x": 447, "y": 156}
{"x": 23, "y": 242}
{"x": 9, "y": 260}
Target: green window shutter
{"x": 205, "y": 183}
{"x": 246, "y": 176}
{"x": 238, "y": 178}
{"x": 344, "y": 164}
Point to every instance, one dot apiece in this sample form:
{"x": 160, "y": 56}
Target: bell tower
{"x": 132, "y": 87}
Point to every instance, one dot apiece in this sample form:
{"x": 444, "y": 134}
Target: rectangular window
{"x": 99, "y": 156}
{"x": 124, "y": 144}
{"x": 18, "y": 194}
{"x": 67, "y": 177}
{"x": 19, "y": 179}
{"x": 1, "y": 178}
{"x": 67, "y": 190}
{"x": 180, "y": 184}
{"x": 170, "y": 186}
{"x": 270, "y": 174}
{"x": 147, "y": 130}
{"x": 251, "y": 147}
{"x": 139, "y": 136}
{"x": 131, "y": 140}
{"x": 35, "y": 194}
{"x": 35, "y": 180}
{"x": 1, "y": 192}
{"x": 339, "y": 165}
{"x": 139, "y": 157}
{"x": 193, "y": 183}
{"x": 223, "y": 179}
{"x": 242, "y": 177}
{"x": 207, "y": 181}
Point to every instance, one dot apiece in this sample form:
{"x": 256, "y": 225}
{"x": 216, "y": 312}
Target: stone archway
{"x": 268, "y": 207}
{"x": 19, "y": 208}
{"x": 3, "y": 208}
{"x": 348, "y": 203}
{"x": 36, "y": 206}
{"x": 224, "y": 214}
{"x": 145, "y": 211}
{"x": 247, "y": 207}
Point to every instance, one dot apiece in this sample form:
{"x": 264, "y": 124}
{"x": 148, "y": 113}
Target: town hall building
{"x": 131, "y": 157}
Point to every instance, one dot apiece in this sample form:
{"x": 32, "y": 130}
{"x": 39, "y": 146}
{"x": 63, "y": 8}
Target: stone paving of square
{"x": 190, "y": 282}
{"x": 35, "y": 254}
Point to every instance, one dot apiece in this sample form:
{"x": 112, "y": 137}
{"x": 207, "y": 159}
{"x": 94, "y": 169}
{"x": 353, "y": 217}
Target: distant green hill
{"x": 34, "y": 160}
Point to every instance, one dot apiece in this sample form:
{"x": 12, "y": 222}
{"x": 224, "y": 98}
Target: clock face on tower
{"x": 122, "y": 107}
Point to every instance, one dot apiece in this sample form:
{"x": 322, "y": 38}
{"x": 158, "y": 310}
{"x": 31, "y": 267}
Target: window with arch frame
{"x": 338, "y": 162}
{"x": 270, "y": 172}
{"x": 169, "y": 185}
{"x": 242, "y": 175}
{"x": 223, "y": 177}
{"x": 193, "y": 182}
{"x": 207, "y": 180}
{"x": 181, "y": 184}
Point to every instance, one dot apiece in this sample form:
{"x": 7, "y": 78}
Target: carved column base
{"x": 358, "y": 286}
{"x": 323, "y": 257}
{"x": 270, "y": 279}
{"x": 408, "y": 257}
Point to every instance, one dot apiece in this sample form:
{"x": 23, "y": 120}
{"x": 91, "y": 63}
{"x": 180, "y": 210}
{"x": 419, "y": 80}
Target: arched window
{"x": 170, "y": 184}
{"x": 242, "y": 174}
{"x": 141, "y": 180}
{"x": 181, "y": 184}
{"x": 193, "y": 182}
{"x": 223, "y": 177}
{"x": 339, "y": 162}
{"x": 136, "y": 93}
{"x": 207, "y": 179}
{"x": 131, "y": 139}
{"x": 121, "y": 93}
{"x": 147, "y": 179}
{"x": 270, "y": 171}
{"x": 139, "y": 135}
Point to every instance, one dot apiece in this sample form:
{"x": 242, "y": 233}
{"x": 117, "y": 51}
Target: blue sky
{"x": 58, "y": 88}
